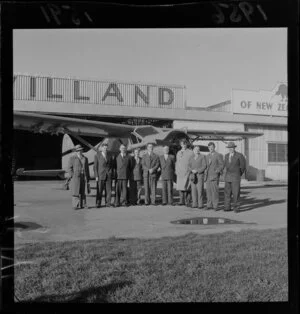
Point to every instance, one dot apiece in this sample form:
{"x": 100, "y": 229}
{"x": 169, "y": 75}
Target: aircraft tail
{"x": 67, "y": 150}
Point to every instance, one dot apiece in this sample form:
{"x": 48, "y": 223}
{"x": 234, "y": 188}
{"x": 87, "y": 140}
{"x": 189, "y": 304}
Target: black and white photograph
{"x": 150, "y": 165}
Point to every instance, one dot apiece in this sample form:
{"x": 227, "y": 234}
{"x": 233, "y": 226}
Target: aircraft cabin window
{"x": 134, "y": 139}
{"x": 145, "y": 131}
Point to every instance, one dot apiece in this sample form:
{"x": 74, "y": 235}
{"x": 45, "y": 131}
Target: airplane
{"x": 114, "y": 134}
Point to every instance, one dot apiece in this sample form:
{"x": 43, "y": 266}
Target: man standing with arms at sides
{"x": 235, "y": 165}
{"x": 197, "y": 167}
{"x": 136, "y": 178}
{"x": 78, "y": 169}
{"x": 167, "y": 165}
{"x": 122, "y": 176}
{"x": 150, "y": 164}
{"x": 103, "y": 169}
{"x": 215, "y": 165}
{"x": 181, "y": 168}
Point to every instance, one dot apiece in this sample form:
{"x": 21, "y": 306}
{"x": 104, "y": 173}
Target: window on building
{"x": 277, "y": 152}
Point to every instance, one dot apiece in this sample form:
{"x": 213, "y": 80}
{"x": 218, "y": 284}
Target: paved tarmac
{"x": 43, "y": 213}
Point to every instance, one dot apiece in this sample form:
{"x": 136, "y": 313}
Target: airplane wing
{"x": 220, "y": 135}
{"x": 42, "y": 173}
{"x": 40, "y": 123}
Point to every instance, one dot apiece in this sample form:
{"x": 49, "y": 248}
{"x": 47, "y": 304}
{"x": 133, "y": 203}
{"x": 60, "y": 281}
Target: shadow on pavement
{"x": 94, "y": 295}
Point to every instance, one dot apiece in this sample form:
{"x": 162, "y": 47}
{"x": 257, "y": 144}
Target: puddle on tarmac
{"x": 209, "y": 221}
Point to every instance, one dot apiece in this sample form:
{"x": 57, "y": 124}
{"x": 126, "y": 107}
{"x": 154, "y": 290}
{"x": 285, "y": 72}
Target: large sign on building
{"x": 37, "y": 88}
{"x": 271, "y": 103}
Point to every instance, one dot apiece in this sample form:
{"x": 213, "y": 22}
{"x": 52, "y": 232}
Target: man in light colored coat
{"x": 182, "y": 172}
{"x": 235, "y": 165}
{"x": 167, "y": 165}
{"x": 78, "y": 169}
{"x": 150, "y": 164}
{"x": 197, "y": 166}
{"x": 215, "y": 165}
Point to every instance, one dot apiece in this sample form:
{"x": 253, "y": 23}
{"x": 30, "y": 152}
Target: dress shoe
{"x": 201, "y": 207}
{"x": 180, "y": 204}
{"x": 216, "y": 209}
{"x": 171, "y": 204}
{"x": 236, "y": 210}
{"x": 164, "y": 204}
{"x": 153, "y": 204}
{"x": 194, "y": 206}
{"x": 227, "y": 210}
{"x": 116, "y": 205}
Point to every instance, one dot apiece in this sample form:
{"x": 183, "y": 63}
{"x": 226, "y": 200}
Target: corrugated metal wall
{"x": 256, "y": 151}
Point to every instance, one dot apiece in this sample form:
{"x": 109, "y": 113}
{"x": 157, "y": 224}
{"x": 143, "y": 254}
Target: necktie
{"x": 230, "y": 156}
{"x": 166, "y": 157}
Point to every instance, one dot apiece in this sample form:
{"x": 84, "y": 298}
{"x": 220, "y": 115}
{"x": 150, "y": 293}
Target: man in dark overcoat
{"x": 235, "y": 166}
{"x": 167, "y": 166}
{"x": 123, "y": 168}
{"x": 78, "y": 169}
{"x": 215, "y": 165}
{"x": 197, "y": 166}
{"x": 103, "y": 169}
{"x": 136, "y": 178}
{"x": 150, "y": 164}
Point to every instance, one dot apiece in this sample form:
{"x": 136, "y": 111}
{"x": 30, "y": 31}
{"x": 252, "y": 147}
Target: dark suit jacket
{"x": 123, "y": 166}
{"x": 103, "y": 169}
{"x": 136, "y": 172}
{"x": 235, "y": 168}
{"x": 198, "y": 164}
{"x": 215, "y": 166}
{"x": 167, "y": 167}
{"x": 150, "y": 163}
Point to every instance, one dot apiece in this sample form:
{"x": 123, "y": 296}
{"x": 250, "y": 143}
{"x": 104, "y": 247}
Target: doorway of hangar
{"x": 35, "y": 151}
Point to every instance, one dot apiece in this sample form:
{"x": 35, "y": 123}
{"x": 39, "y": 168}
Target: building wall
{"x": 257, "y": 152}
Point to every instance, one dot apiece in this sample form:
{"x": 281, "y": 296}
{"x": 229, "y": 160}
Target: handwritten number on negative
{"x": 57, "y": 14}
{"x": 237, "y": 12}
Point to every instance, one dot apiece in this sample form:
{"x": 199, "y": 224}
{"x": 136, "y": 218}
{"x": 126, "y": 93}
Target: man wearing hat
{"x": 235, "y": 165}
{"x": 78, "y": 169}
{"x": 215, "y": 165}
{"x": 103, "y": 169}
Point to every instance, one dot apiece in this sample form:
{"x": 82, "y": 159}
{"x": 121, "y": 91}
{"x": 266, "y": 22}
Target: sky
{"x": 209, "y": 62}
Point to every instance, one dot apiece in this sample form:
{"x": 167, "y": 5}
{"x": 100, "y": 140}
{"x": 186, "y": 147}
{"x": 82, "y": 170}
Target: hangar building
{"x": 159, "y": 105}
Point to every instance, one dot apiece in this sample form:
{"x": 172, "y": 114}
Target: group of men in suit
{"x": 190, "y": 169}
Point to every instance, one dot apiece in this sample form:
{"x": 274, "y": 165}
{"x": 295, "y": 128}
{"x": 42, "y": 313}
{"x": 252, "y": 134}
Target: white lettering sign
{"x": 271, "y": 103}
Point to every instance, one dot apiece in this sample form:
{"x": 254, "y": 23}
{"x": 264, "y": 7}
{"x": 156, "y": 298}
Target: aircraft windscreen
{"x": 145, "y": 131}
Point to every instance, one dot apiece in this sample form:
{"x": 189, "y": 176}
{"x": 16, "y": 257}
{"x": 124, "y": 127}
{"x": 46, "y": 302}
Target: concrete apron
{"x": 43, "y": 213}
